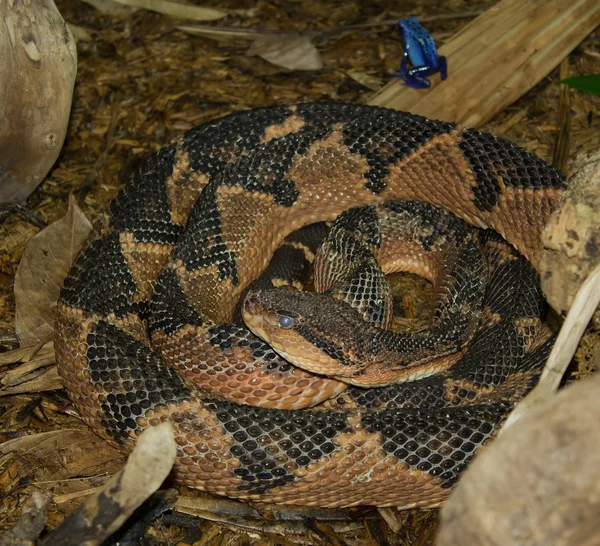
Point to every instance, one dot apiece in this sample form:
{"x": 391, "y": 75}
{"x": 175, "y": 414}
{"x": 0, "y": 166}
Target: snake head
{"x": 299, "y": 326}
{"x": 326, "y": 336}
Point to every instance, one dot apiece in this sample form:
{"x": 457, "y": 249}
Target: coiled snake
{"x": 200, "y": 220}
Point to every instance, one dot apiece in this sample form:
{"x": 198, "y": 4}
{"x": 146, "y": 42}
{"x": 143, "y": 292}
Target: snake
{"x": 200, "y": 219}
{"x": 365, "y": 244}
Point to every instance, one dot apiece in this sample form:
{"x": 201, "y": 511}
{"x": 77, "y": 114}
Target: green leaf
{"x": 589, "y": 84}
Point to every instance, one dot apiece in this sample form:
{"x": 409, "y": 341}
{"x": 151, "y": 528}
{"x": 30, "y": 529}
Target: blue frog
{"x": 420, "y": 49}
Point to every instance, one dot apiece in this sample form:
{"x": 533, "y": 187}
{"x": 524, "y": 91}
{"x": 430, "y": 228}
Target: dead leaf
{"x": 370, "y": 82}
{"x": 289, "y": 51}
{"x": 156, "y": 450}
{"x": 66, "y": 497}
{"x": 43, "y": 268}
{"x": 79, "y": 33}
{"x": 177, "y": 9}
{"x": 39, "y": 380}
{"x": 43, "y": 358}
{"x": 110, "y": 7}
{"x": 22, "y": 354}
{"x": 235, "y": 33}
{"x": 65, "y": 454}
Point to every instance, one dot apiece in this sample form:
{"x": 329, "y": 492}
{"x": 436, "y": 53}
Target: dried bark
{"x": 38, "y": 63}
{"x": 572, "y": 237}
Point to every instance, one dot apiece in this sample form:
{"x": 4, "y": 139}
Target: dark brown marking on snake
{"x": 145, "y": 384}
{"x": 92, "y": 288}
{"x": 364, "y": 138}
{"x": 270, "y": 448}
{"x": 141, "y": 257}
{"x": 141, "y": 195}
{"x": 497, "y": 164}
{"x": 170, "y": 308}
{"x": 215, "y": 145}
{"x": 441, "y": 444}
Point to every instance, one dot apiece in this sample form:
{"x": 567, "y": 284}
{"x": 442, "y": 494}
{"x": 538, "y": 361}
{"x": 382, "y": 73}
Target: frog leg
{"x": 443, "y": 67}
{"x": 416, "y": 77}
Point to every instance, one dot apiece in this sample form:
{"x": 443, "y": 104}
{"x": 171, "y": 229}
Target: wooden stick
{"x": 497, "y": 58}
{"x": 560, "y": 157}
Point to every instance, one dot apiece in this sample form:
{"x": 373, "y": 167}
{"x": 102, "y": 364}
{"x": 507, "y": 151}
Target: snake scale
{"x": 202, "y": 217}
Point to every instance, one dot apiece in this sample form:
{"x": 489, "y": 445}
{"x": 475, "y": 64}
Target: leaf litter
{"x": 167, "y": 82}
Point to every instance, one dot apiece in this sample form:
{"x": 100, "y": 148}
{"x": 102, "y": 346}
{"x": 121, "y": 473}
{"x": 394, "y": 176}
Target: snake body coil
{"x": 200, "y": 220}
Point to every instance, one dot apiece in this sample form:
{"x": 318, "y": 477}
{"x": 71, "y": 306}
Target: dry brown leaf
{"x": 79, "y": 33}
{"x": 109, "y": 7}
{"x": 23, "y": 354}
{"x": 370, "y": 82}
{"x": 43, "y": 268}
{"x": 41, "y": 444}
{"x": 273, "y": 520}
{"x": 104, "y": 512}
{"x": 37, "y": 381}
{"x": 235, "y": 33}
{"x": 289, "y": 50}
{"x": 66, "y": 453}
{"x": 177, "y": 9}
{"x": 43, "y": 358}
{"x": 294, "y": 52}
{"x": 66, "y": 497}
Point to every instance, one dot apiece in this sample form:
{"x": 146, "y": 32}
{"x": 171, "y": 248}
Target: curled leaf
{"x": 42, "y": 271}
{"x": 177, "y": 9}
{"x": 293, "y": 52}
{"x": 370, "y": 82}
{"x": 290, "y": 50}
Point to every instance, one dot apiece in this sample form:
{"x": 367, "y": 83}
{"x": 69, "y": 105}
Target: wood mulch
{"x": 141, "y": 82}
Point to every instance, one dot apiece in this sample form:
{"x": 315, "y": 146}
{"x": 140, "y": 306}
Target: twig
{"x": 252, "y": 33}
{"x": 6, "y": 209}
{"x": 30, "y": 524}
{"x": 110, "y": 136}
{"x": 132, "y": 532}
{"x": 392, "y": 22}
{"x": 9, "y": 338}
{"x": 560, "y": 158}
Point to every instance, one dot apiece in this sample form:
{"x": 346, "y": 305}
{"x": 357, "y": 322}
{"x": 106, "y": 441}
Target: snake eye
{"x": 285, "y": 321}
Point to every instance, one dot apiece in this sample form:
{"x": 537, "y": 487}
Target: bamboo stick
{"x": 497, "y": 58}
{"x": 560, "y": 157}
